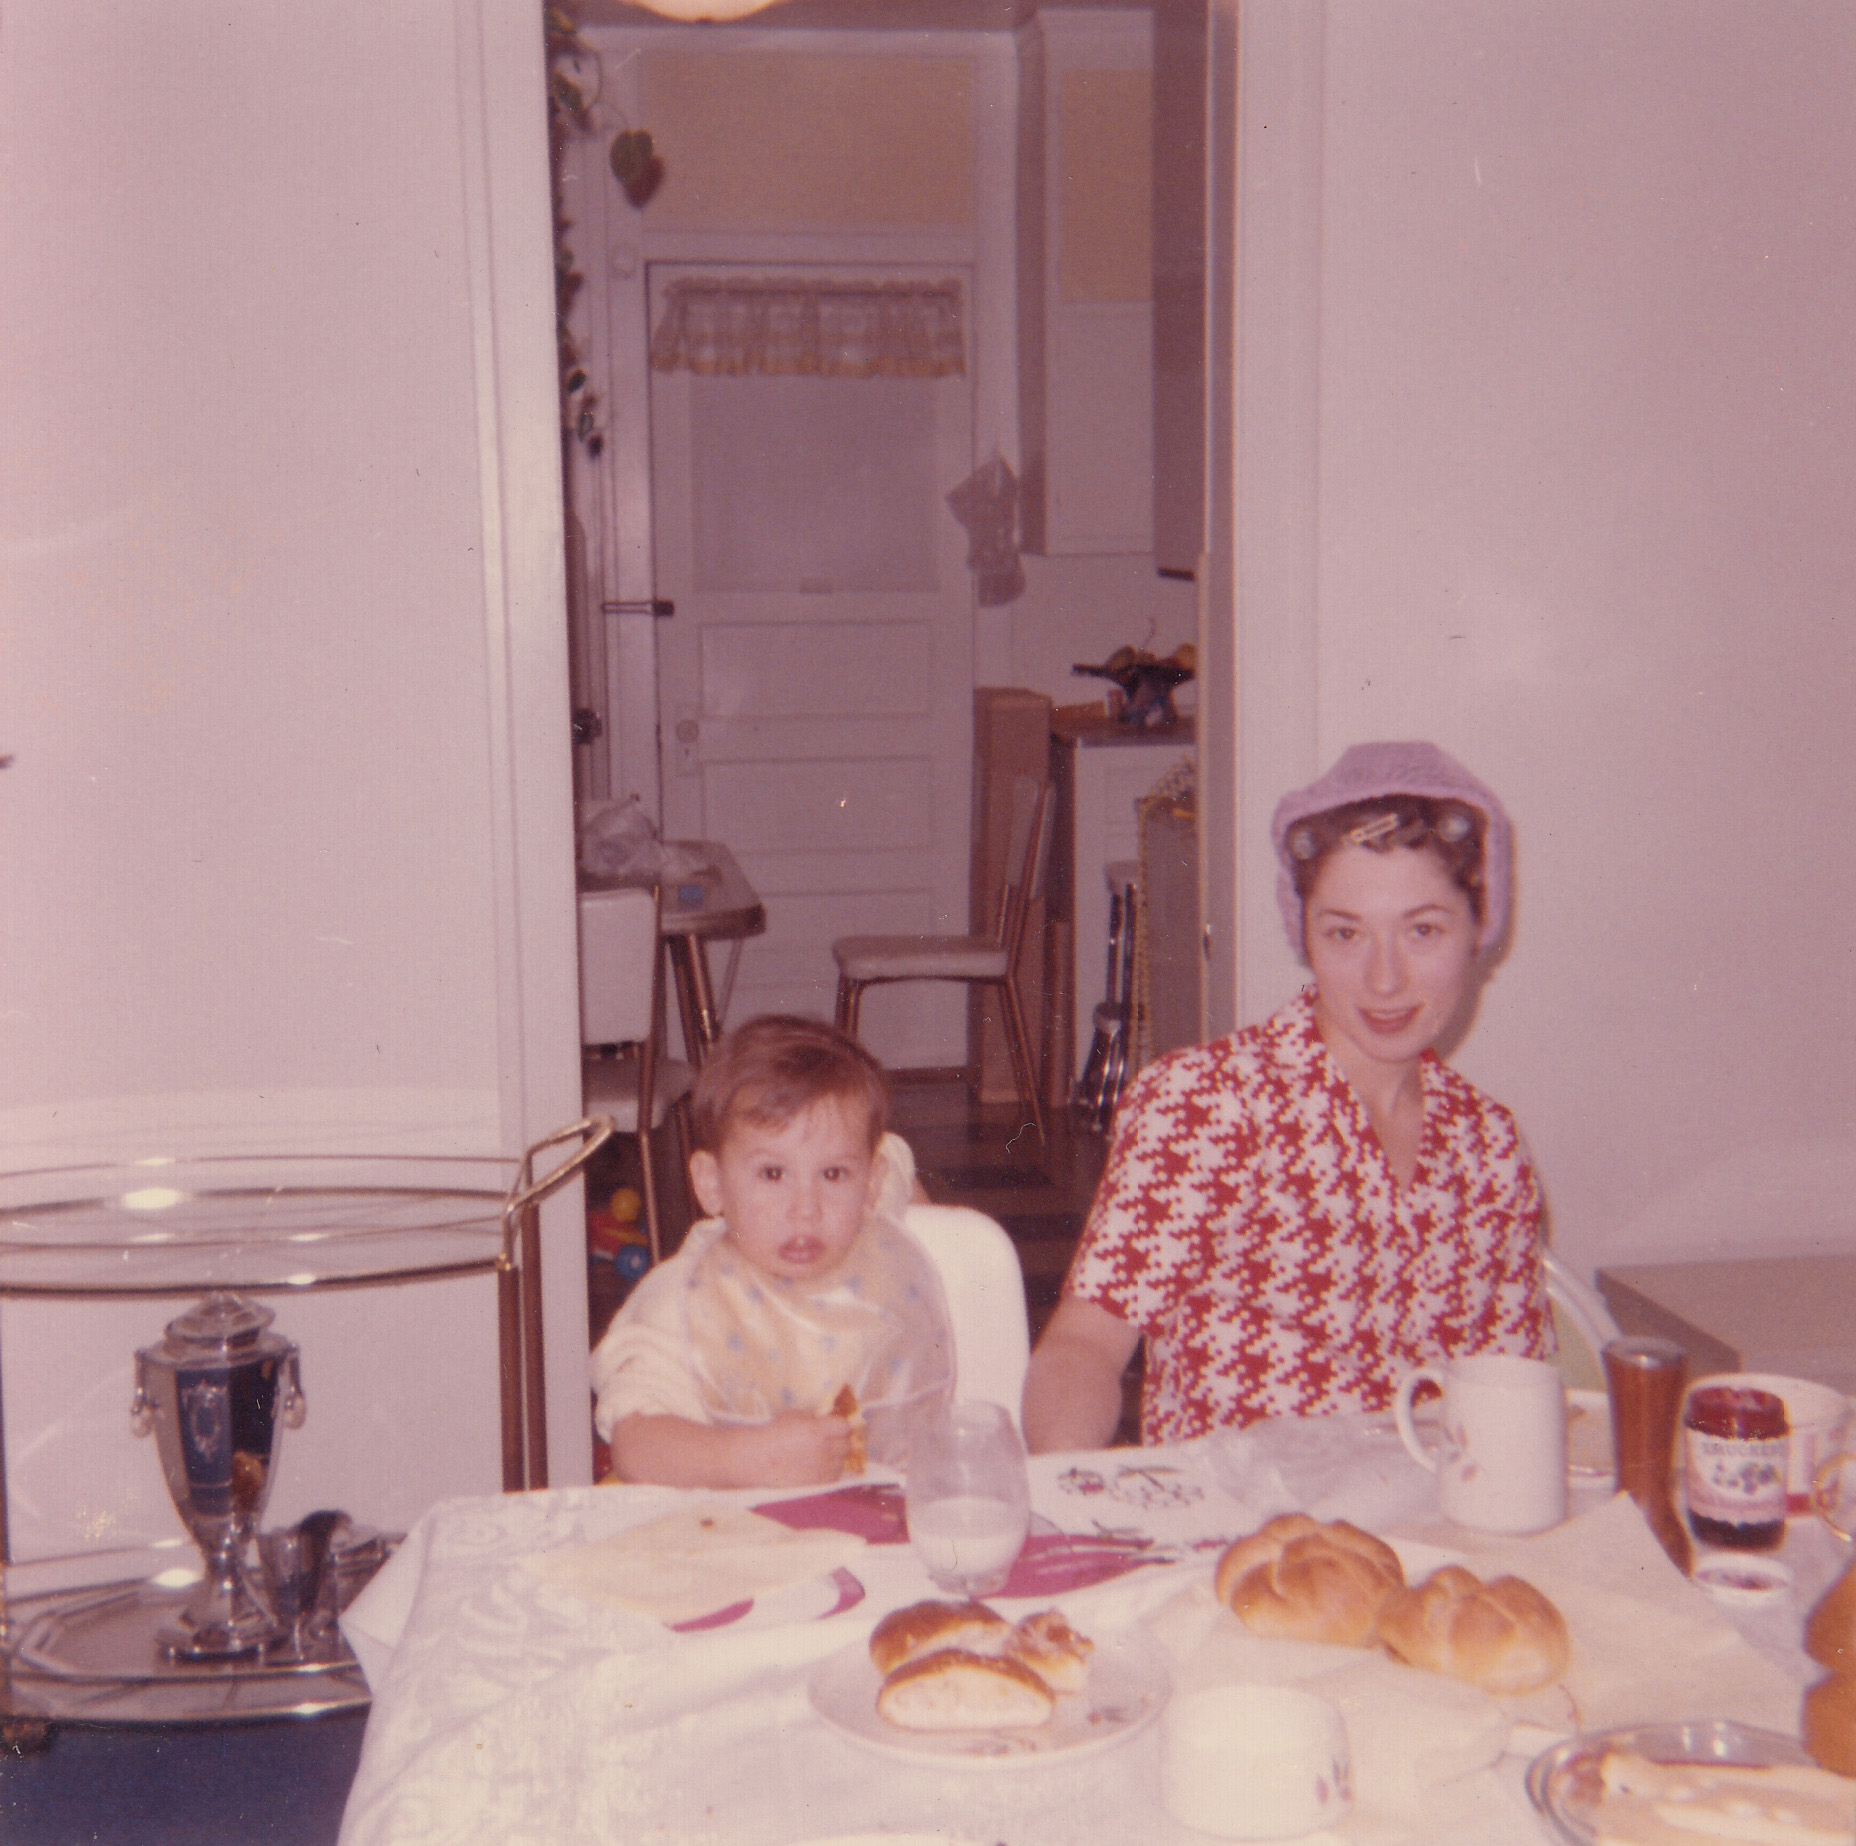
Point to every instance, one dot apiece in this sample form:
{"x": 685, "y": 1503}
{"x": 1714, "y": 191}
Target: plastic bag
{"x": 618, "y": 839}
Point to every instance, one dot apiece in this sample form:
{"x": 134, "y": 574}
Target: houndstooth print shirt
{"x": 1249, "y": 1224}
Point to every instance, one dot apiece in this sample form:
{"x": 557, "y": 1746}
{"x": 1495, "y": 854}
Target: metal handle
{"x": 295, "y": 1406}
{"x": 141, "y": 1406}
{"x": 518, "y": 1293}
{"x": 593, "y": 1132}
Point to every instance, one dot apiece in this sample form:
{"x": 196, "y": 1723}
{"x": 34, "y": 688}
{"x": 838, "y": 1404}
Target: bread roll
{"x": 1503, "y": 1636}
{"x": 954, "y": 1690}
{"x": 1830, "y": 1634}
{"x": 926, "y": 1627}
{"x": 1305, "y": 1581}
{"x": 1829, "y": 1723}
{"x": 1052, "y": 1649}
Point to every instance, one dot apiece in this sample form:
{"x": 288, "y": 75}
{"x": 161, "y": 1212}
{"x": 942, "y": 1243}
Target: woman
{"x": 1296, "y": 1216}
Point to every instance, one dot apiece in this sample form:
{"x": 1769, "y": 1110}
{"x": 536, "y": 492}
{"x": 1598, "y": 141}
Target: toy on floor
{"x": 615, "y": 1235}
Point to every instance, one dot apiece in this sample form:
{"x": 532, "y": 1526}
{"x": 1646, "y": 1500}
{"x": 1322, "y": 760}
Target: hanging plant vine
{"x": 573, "y": 88}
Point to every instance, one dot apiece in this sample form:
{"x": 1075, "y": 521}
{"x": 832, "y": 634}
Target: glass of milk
{"x": 969, "y": 1502}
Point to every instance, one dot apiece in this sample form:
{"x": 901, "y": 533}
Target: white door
{"x": 815, "y": 685}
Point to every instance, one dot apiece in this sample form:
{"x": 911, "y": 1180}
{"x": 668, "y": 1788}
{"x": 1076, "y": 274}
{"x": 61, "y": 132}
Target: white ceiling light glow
{"x": 693, "y": 10}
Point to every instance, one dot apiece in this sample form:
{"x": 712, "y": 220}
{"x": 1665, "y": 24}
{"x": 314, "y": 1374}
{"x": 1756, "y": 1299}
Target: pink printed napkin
{"x": 872, "y": 1511}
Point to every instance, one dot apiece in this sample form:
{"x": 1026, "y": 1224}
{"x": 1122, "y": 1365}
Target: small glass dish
{"x": 1738, "y": 1580}
{"x": 1566, "y": 1782}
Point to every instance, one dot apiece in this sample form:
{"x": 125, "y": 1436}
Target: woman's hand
{"x": 1073, "y": 1389}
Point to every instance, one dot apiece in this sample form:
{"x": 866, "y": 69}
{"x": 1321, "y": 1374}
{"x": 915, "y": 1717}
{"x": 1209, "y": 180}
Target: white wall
{"x": 1569, "y": 490}
{"x": 286, "y": 844}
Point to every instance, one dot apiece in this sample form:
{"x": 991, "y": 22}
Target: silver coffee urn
{"x": 215, "y": 1391}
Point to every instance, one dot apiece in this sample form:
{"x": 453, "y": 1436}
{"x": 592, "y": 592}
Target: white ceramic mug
{"x": 1254, "y": 1762}
{"x": 1501, "y": 1465}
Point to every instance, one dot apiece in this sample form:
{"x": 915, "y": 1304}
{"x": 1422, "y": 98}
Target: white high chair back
{"x": 985, "y": 1290}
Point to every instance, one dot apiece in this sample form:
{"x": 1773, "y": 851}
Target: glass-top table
{"x": 255, "y": 1225}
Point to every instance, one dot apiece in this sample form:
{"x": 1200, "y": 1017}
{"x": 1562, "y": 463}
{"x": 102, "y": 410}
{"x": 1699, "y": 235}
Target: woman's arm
{"x": 1073, "y": 1389}
{"x": 795, "y": 1450}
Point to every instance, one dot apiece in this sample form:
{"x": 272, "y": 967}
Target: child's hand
{"x": 796, "y": 1450}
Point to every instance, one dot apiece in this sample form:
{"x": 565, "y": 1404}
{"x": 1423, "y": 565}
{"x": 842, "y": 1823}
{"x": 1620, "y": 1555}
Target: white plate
{"x": 1127, "y": 1688}
{"x": 1562, "y": 1783}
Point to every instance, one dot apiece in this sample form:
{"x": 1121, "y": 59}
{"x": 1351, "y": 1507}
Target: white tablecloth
{"x": 509, "y": 1710}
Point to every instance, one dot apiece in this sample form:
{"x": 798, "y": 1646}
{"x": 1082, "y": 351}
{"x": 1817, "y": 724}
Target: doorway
{"x": 815, "y": 686}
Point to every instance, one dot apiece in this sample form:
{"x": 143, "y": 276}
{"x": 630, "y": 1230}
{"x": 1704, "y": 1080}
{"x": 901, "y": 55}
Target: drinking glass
{"x": 969, "y": 1502}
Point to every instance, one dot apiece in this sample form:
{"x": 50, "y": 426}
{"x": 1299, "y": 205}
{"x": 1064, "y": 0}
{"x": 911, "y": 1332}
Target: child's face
{"x": 794, "y": 1197}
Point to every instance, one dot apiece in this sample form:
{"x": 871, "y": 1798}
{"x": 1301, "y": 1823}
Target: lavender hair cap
{"x": 1368, "y": 771}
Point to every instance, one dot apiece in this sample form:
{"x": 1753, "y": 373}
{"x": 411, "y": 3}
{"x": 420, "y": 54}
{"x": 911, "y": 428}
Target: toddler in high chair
{"x": 800, "y": 1324}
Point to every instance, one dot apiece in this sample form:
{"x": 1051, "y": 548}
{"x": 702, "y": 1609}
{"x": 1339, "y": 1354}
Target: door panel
{"x": 816, "y": 684}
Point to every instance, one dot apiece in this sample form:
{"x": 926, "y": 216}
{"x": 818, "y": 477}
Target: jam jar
{"x": 1738, "y": 1444}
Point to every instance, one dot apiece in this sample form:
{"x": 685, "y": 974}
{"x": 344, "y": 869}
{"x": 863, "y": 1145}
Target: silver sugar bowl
{"x": 214, "y": 1391}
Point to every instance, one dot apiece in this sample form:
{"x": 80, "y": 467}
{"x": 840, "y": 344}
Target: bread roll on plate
{"x": 1503, "y": 1636}
{"x": 1052, "y": 1649}
{"x": 928, "y": 1627}
{"x": 1301, "y": 1580}
{"x": 954, "y": 1690}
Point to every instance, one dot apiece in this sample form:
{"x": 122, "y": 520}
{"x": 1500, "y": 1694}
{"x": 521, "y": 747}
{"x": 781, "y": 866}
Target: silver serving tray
{"x": 92, "y": 1656}
{"x": 1562, "y": 1781}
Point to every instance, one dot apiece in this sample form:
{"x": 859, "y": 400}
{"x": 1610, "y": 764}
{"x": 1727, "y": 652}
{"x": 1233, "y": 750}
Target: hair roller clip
{"x": 1454, "y": 825}
{"x": 1302, "y": 844}
{"x": 1371, "y": 832}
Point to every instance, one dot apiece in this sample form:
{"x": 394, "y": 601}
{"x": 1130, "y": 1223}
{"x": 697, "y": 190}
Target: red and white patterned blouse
{"x": 1249, "y": 1224}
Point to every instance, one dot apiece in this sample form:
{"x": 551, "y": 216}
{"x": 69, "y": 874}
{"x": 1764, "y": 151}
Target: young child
{"x": 724, "y": 1365}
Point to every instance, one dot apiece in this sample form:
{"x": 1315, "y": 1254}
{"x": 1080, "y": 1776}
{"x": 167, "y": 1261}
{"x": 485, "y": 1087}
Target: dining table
{"x": 523, "y": 1691}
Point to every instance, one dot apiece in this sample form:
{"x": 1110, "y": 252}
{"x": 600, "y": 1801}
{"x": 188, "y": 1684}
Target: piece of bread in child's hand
{"x": 1301, "y": 1580}
{"x": 1503, "y": 1636}
{"x": 857, "y": 1455}
{"x": 954, "y": 1690}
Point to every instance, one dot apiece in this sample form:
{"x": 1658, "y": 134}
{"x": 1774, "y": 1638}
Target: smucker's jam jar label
{"x": 1738, "y": 1446}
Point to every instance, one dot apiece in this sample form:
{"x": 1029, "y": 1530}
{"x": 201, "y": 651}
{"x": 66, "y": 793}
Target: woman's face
{"x": 1392, "y": 943}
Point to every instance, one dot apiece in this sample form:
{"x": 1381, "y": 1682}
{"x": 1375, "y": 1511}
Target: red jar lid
{"x": 1735, "y": 1410}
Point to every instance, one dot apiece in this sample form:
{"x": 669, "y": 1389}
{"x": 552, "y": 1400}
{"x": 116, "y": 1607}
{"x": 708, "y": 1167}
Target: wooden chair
{"x": 978, "y": 961}
{"x": 621, "y": 1028}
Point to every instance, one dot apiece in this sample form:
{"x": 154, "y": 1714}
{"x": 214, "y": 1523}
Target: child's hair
{"x": 775, "y": 1068}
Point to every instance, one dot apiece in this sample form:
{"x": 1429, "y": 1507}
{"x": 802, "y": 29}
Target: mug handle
{"x": 1821, "y": 1484}
{"x": 1401, "y": 1413}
